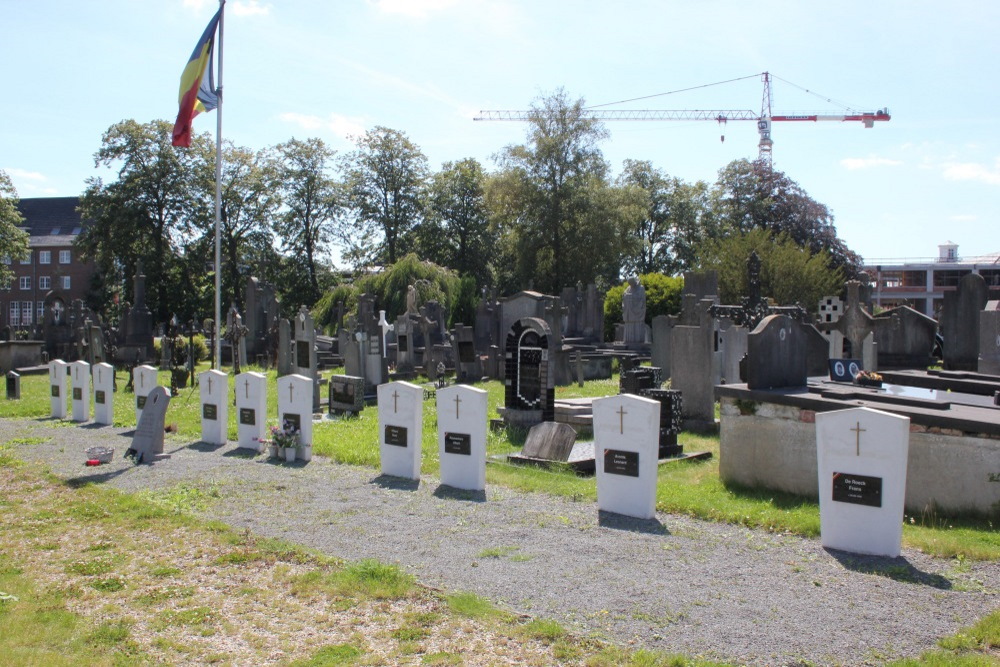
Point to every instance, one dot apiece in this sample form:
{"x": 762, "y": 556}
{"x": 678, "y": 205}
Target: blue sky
{"x": 330, "y": 69}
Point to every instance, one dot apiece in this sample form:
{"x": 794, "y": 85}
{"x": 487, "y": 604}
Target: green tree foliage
{"x": 789, "y": 273}
{"x": 663, "y": 297}
{"x": 146, "y": 212}
{"x": 385, "y": 180}
{"x": 455, "y": 231}
{"x": 562, "y": 221}
{"x": 748, "y": 195}
{"x": 311, "y": 204}
{"x": 671, "y": 222}
{"x": 389, "y": 288}
{"x": 13, "y": 239}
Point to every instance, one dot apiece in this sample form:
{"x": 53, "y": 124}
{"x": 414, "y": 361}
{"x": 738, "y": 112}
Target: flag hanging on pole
{"x": 197, "y": 91}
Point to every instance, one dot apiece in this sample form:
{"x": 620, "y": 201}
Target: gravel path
{"x": 677, "y": 584}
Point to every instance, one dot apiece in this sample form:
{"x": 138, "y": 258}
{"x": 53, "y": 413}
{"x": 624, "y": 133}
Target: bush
{"x": 663, "y": 297}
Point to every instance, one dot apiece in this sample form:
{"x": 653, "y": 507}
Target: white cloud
{"x": 868, "y": 162}
{"x": 972, "y": 171}
{"x": 24, "y": 174}
{"x": 199, "y": 4}
{"x": 29, "y": 183}
{"x": 413, "y": 8}
{"x": 342, "y": 126}
{"x": 964, "y": 218}
{"x": 250, "y": 8}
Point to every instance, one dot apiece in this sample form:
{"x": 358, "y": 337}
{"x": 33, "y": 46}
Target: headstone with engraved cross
{"x": 59, "y": 400}
{"x": 79, "y": 372}
{"x": 400, "y": 426}
{"x": 626, "y": 443}
{"x": 861, "y": 458}
{"x": 143, "y": 382}
{"x": 213, "y": 391}
{"x": 104, "y": 393}
{"x": 251, "y": 410}
{"x": 461, "y": 418}
{"x": 295, "y": 403}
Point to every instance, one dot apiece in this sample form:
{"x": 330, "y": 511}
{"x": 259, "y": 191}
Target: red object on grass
{"x": 93, "y": 462}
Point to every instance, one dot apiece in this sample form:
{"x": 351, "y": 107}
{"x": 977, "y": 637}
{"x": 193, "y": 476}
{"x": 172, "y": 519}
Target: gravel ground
{"x": 677, "y": 584}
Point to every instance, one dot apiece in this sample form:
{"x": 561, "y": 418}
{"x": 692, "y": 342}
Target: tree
{"x": 13, "y": 239}
{"x": 385, "y": 180}
{"x": 561, "y": 219}
{"x": 789, "y": 273}
{"x": 671, "y": 222}
{"x": 748, "y": 195}
{"x": 147, "y": 212}
{"x": 455, "y": 231}
{"x": 311, "y": 204}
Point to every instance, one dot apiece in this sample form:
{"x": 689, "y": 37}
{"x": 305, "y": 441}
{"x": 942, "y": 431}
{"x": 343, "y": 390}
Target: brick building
{"x": 53, "y": 264}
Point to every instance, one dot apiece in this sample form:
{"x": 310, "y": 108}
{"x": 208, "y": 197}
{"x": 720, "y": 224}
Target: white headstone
{"x": 59, "y": 401}
{"x": 143, "y": 382}
{"x": 104, "y": 393}
{"x": 251, "y": 410}
{"x": 295, "y": 403}
{"x": 400, "y": 428}
{"x": 461, "y": 418}
{"x": 626, "y": 444}
{"x": 214, "y": 391}
{"x": 861, "y": 455}
{"x": 79, "y": 372}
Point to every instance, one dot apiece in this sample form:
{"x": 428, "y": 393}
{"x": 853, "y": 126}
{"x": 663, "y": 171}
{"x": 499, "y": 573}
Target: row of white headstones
{"x": 861, "y": 453}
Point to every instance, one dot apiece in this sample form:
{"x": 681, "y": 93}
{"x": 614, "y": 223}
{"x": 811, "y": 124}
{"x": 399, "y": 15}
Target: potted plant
{"x": 286, "y": 439}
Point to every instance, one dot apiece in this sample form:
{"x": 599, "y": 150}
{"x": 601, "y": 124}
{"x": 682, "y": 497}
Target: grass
{"x": 691, "y": 488}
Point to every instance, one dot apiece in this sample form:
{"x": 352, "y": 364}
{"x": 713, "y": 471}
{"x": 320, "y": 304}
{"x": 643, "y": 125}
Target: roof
{"x": 51, "y": 220}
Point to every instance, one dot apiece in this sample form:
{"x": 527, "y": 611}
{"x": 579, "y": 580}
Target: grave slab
{"x": 143, "y": 382}
{"x": 251, "y": 410}
{"x": 59, "y": 401}
{"x": 79, "y": 372}
{"x": 104, "y": 392}
{"x": 461, "y": 418}
{"x": 295, "y": 405}
{"x": 861, "y": 459}
{"x": 626, "y": 441}
{"x": 400, "y": 425}
{"x": 214, "y": 392}
{"x": 147, "y": 443}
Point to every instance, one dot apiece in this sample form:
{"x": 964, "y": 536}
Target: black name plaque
{"x": 395, "y": 435}
{"x": 210, "y": 411}
{"x": 248, "y": 416}
{"x": 857, "y": 489}
{"x": 619, "y": 462}
{"x": 458, "y": 443}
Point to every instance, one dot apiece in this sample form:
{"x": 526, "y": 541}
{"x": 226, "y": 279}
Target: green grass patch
{"x": 333, "y": 655}
{"x": 470, "y": 605}
{"x": 543, "y": 629}
{"x": 366, "y": 579}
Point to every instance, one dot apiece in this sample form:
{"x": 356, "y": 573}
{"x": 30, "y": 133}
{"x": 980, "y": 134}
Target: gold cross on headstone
{"x": 210, "y": 384}
{"x": 246, "y": 388}
{"x": 857, "y": 432}
{"x": 457, "y": 401}
{"x": 621, "y": 419}
{"x": 142, "y": 378}
{"x": 395, "y": 401}
{"x": 291, "y": 388}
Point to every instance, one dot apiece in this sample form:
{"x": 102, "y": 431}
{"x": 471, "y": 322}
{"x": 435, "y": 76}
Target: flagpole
{"x": 218, "y": 202}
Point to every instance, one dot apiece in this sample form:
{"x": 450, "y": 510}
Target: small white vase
{"x": 289, "y": 454}
{"x": 272, "y": 451}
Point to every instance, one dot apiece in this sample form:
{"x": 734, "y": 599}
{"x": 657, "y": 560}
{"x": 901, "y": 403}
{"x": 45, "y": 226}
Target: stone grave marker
{"x": 626, "y": 441}
{"x": 59, "y": 401}
{"x": 147, "y": 442}
{"x": 461, "y": 417}
{"x": 861, "y": 459}
{"x": 104, "y": 393}
{"x": 347, "y": 394}
{"x": 295, "y": 405}
{"x": 13, "y": 386}
{"x": 214, "y": 393}
{"x": 549, "y": 441}
{"x": 79, "y": 372}
{"x": 776, "y": 354}
{"x": 143, "y": 382}
{"x": 400, "y": 426}
{"x": 662, "y": 327}
{"x": 989, "y": 339}
{"x": 251, "y": 410}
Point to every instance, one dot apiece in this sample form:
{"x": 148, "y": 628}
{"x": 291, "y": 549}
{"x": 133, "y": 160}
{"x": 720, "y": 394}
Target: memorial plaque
{"x": 395, "y": 435}
{"x": 210, "y": 411}
{"x": 302, "y": 350}
{"x": 618, "y": 462}
{"x": 248, "y": 416}
{"x": 857, "y": 489}
{"x": 458, "y": 443}
{"x": 343, "y": 392}
{"x": 466, "y": 352}
{"x": 77, "y": 394}
{"x": 403, "y": 343}
{"x": 140, "y": 402}
{"x": 99, "y": 397}
{"x": 293, "y": 421}
{"x": 55, "y": 391}
{"x": 844, "y": 370}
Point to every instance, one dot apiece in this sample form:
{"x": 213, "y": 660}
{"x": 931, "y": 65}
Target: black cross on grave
{"x": 753, "y": 308}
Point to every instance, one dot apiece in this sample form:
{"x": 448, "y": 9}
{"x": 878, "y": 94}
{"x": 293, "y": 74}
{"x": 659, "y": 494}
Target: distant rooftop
{"x": 51, "y": 220}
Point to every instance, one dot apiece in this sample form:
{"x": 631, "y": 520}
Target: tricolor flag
{"x": 197, "y": 92}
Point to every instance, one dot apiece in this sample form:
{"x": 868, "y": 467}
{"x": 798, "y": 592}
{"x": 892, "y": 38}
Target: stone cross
{"x": 395, "y": 401}
{"x": 621, "y": 419}
{"x": 457, "y": 401}
{"x": 857, "y": 430}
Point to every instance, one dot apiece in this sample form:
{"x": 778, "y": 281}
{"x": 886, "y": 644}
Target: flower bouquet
{"x": 868, "y": 379}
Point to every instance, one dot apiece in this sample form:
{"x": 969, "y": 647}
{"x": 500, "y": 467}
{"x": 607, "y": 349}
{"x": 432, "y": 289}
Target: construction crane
{"x": 721, "y": 116}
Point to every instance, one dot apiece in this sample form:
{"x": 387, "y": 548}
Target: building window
{"x": 45, "y": 282}
{"x": 44, "y": 256}
{"x": 15, "y": 313}
{"x": 26, "y": 313}
{"x": 65, "y": 282}
{"x": 40, "y": 311}
{"x": 25, "y": 282}
{"x": 26, "y": 259}
{"x": 64, "y": 257}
